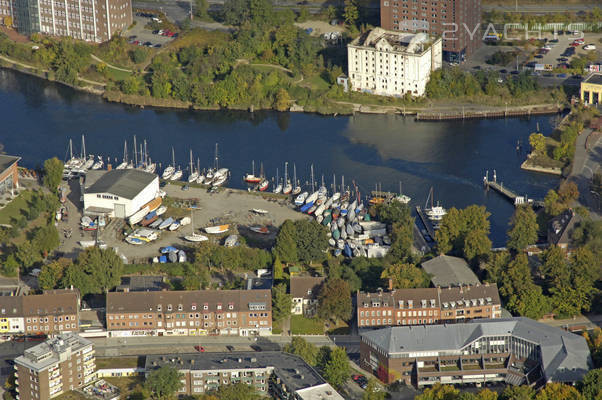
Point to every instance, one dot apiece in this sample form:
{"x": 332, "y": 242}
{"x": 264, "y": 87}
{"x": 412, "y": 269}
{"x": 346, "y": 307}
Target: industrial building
{"x": 63, "y": 363}
{"x": 391, "y": 63}
{"x": 89, "y": 20}
{"x": 119, "y": 193}
{"x": 457, "y": 22}
{"x": 516, "y": 351}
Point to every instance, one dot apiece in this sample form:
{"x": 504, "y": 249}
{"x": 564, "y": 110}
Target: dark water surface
{"x": 38, "y": 118}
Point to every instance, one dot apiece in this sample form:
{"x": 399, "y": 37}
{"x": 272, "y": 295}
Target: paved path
{"x": 585, "y": 164}
{"x": 591, "y": 321}
{"x": 110, "y": 65}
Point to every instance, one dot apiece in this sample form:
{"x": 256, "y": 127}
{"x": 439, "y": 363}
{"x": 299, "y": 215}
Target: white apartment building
{"x": 390, "y": 63}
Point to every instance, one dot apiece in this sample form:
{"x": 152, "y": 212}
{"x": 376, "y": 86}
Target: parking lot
{"x": 142, "y": 36}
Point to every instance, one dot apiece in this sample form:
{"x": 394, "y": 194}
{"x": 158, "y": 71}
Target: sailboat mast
{"x": 295, "y": 173}
{"x": 216, "y": 158}
{"x": 125, "y": 151}
{"x": 71, "y": 149}
{"x": 312, "y": 178}
{"x": 286, "y": 172}
{"x": 83, "y": 147}
{"x": 145, "y": 153}
{"x": 135, "y": 152}
{"x": 191, "y": 165}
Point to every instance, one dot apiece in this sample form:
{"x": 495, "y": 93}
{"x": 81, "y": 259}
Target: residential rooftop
{"x": 142, "y": 283}
{"x": 295, "y": 373}
{"x": 565, "y": 356}
{"x": 52, "y": 351}
{"x": 305, "y": 287}
{"x": 595, "y": 78}
{"x": 448, "y": 271}
{"x": 394, "y": 41}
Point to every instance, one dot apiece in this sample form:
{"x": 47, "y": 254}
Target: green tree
{"x": 568, "y": 192}
{"x": 523, "y": 231}
{"x": 487, "y": 394}
{"x": 27, "y": 254}
{"x": 518, "y": 393}
{"x": 439, "y": 392}
{"x": 331, "y": 12}
{"x": 50, "y": 275}
{"x": 164, "y": 382}
{"x": 98, "y": 271}
{"x": 465, "y": 232}
{"x": 538, "y": 143}
{"x": 303, "y": 349}
{"x": 558, "y": 391}
{"x": 522, "y": 296}
{"x": 286, "y": 247}
{"x": 552, "y": 204}
{"x": 334, "y": 300}
{"x": 53, "y": 173}
{"x": 202, "y": 6}
{"x": 139, "y": 55}
{"x": 311, "y": 240}
{"x": 277, "y": 269}
{"x": 351, "y": 12}
{"x": 282, "y": 302}
{"x": 10, "y": 267}
{"x": 591, "y": 386}
{"x": 46, "y": 239}
{"x": 282, "y": 101}
{"x": 337, "y": 370}
{"x": 373, "y": 391}
{"x": 406, "y": 276}
{"x": 237, "y": 391}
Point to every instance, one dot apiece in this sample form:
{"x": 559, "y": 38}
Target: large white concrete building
{"x": 119, "y": 193}
{"x": 390, "y": 63}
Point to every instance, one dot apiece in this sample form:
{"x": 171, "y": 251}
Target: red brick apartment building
{"x": 427, "y": 306}
{"x": 457, "y": 18}
{"x": 195, "y": 312}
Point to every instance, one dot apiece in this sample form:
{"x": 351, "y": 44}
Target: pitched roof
{"x": 393, "y": 297}
{"x": 300, "y": 285}
{"x": 561, "y": 227}
{"x": 564, "y": 355}
{"x": 449, "y": 271}
{"x": 120, "y": 302}
{"x": 11, "y": 306}
{"x": 59, "y": 301}
{"x": 141, "y": 283}
{"x": 126, "y": 183}
{"x": 6, "y": 161}
{"x": 488, "y": 293}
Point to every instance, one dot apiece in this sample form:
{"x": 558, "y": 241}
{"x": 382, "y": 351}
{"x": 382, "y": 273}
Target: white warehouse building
{"x": 391, "y": 63}
{"x": 119, "y": 193}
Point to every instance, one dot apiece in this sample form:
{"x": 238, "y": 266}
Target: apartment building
{"x": 281, "y": 375}
{"x": 515, "y": 351}
{"x": 52, "y": 312}
{"x": 90, "y": 20}
{"x": 391, "y": 63}
{"x": 304, "y": 293}
{"x": 457, "y": 22}
{"x": 60, "y": 364}
{"x": 427, "y": 306}
{"x": 195, "y": 312}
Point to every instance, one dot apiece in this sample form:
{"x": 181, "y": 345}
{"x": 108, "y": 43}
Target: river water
{"x": 38, "y": 118}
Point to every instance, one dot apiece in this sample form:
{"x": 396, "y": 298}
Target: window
{"x": 169, "y": 307}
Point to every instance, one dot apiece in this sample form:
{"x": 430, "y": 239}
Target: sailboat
{"x": 170, "y": 169}
{"x": 149, "y": 165}
{"x": 220, "y": 175}
{"x": 288, "y": 187}
{"x": 278, "y": 187}
{"x": 193, "y": 173}
{"x": 264, "y": 184}
{"x": 402, "y": 198}
{"x": 434, "y": 213}
{"x": 176, "y": 175}
{"x": 297, "y": 188}
{"x": 98, "y": 164}
{"x": 88, "y": 161}
{"x": 194, "y": 237}
{"x": 124, "y": 164}
{"x": 251, "y": 178}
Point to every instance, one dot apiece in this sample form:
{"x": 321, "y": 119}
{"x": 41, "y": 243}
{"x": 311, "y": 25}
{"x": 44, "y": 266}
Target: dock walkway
{"x": 516, "y": 199}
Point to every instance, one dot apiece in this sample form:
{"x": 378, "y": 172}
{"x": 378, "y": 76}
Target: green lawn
{"x": 14, "y": 208}
{"x": 71, "y": 395}
{"x": 117, "y": 75}
{"x": 317, "y": 83}
{"x": 306, "y": 326}
{"x": 119, "y": 362}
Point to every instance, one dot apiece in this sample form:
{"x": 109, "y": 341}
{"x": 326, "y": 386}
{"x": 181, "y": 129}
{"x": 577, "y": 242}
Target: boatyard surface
{"x": 228, "y": 206}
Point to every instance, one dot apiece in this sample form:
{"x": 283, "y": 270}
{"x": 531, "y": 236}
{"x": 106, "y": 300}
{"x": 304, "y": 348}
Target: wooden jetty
{"x": 516, "y": 199}
{"x": 427, "y": 222}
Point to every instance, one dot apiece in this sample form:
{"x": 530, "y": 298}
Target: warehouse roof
{"x": 7, "y": 161}
{"x": 450, "y": 271}
{"x": 126, "y": 183}
{"x": 565, "y": 356}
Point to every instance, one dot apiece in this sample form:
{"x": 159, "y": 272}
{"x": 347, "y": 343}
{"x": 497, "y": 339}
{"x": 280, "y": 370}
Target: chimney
{"x": 390, "y": 286}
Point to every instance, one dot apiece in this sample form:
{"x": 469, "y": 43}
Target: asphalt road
{"x": 585, "y": 165}
{"x": 539, "y": 8}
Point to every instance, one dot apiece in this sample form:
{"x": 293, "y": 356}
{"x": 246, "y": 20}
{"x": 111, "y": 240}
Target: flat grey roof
{"x": 126, "y": 183}
{"x": 565, "y": 356}
{"x": 7, "y": 161}
{"x": 142, "y": 283}
{"x": 292, "y": 370}
{"x": 48, "y": 353}
{"x": 450, "y": 271}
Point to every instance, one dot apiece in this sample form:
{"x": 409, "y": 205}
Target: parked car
{"x": 503, "y": 71}
{"x": 589, "y": 47}
{"x": 199, "y": 348}
{"x": 158, "y": 45}
{"x": 563, "y": 75}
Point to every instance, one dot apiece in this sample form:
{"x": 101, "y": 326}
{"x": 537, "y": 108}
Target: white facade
{"x": 121, "y": 207}
{"x": 12, "y": 325}
{"x": 304, "y": 306}
{"x": 393, "y": 63}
